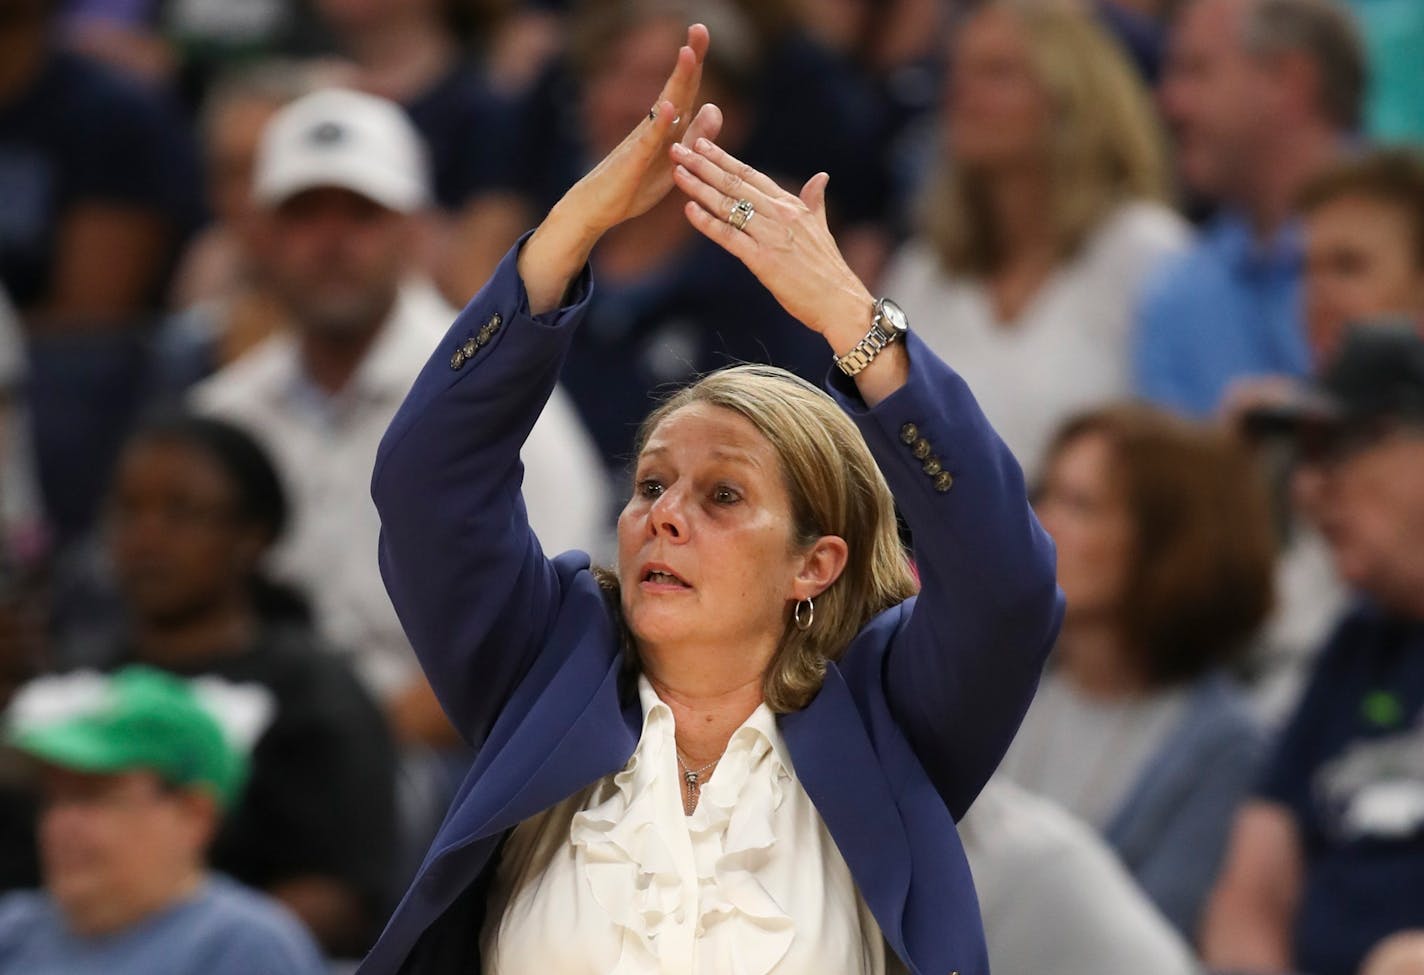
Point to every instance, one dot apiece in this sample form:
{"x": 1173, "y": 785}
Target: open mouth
{"x": 662, "y": 577}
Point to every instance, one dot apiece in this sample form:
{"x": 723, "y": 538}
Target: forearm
{"x": 553, "y": 256}
{"x": 1242, "y": 933}
{"x": 1250, "y": 916}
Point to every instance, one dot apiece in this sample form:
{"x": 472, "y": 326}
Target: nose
{"x": 666, "y": 517}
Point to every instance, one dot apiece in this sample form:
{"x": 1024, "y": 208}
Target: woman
{"x": 1045, "y": 221}
{"x": 195, "y": 506}
{"x": 1165, "y": 561}
{"x": 745, "y": 751}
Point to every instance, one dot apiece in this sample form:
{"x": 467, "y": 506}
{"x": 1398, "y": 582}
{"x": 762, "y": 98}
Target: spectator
{"x": 1328, "y": 858}
{"x": 1164, "y": 557}
{"x": 136, "y": 772}
{"x": 404, "y": 50}
{"x": 339, "y": 181}
{"x": 1364, "y": 246}
{"x": 1363, "y": 223}
{"x": 670, "y": 304}
{"x": 1231, "y": 307}
{"x": 97, "y": 178}
{"x": 1045, "y": 220}
{"x": 1053, "y": 896}
{"x": 195, "y": 507}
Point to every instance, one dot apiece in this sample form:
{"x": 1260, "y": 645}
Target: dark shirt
{"x": 465, "y": 126}
{"x": 82, "y": 133}
{"x": 1350, "y": 767}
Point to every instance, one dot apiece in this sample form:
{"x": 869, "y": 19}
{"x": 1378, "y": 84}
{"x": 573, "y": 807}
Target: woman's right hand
{"x": 628, "y": 182}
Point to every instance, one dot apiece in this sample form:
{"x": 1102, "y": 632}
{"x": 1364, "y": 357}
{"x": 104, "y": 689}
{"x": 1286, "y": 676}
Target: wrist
{"x": 850, "y": 322}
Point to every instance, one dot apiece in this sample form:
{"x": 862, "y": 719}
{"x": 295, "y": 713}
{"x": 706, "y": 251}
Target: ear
{"x": 201, "y": 817}
{"x": 821, "y": 565}
{"x": 1298, "y": 79}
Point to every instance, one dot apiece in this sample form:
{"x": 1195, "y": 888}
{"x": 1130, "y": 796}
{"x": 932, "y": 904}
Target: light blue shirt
{"x": 224, "y": 929}
{"x": 1228, "y": 308}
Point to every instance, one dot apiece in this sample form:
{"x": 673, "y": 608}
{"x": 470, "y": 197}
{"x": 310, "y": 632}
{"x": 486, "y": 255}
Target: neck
{"x": 224, "y": 630}
{"x": 1020, "y": 196}
{"x": 22, "y": 55}
{"x": 1285, "y": 167}
{"x": 117, "y": 914}
{"x": 330, "y": 361}
{"x": 1095, "y": 658}
{"x": 405, "y": 56}
{"x": 707, "y": 708}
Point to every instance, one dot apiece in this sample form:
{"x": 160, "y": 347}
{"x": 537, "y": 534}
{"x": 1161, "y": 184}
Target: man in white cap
{"x": 341, "y": 179}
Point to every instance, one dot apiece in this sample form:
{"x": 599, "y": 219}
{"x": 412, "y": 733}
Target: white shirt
{"x": 324, "y": 448}
{"x": 1068, "y": 350}
{"x": 618, "y": 880}
{"x": 1055, "y": 899}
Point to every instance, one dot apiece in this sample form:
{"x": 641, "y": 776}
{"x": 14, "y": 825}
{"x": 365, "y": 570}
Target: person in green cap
{"x": 136, "y": 770}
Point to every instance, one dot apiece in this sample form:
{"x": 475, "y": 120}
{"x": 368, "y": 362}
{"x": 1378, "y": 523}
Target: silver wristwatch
{"x": 887, "y": 325}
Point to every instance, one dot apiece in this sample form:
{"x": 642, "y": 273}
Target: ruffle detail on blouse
{"x": 628, "y": 860}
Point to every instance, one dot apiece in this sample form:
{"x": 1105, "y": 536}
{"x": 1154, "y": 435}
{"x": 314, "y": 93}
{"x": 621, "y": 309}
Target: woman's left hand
{"x": 786, "y": 242}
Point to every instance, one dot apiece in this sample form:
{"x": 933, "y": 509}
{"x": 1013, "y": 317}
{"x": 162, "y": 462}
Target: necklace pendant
{"x": 691, "y": 778}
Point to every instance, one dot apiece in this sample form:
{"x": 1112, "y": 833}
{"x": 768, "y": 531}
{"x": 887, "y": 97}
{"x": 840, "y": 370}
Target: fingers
{"x": 720, "y": 232}
{"x": 813, "y": 194}
{"x": 734, "y": 167}
{"x": 716, "y": 190}
{"x": 707, "y": 125}
{"x": 682, "y": 84}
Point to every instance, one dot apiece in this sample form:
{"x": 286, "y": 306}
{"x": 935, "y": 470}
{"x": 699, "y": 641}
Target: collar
{"x": 761, "y": 723}
{"x": 403, "y": 342}
{"x": 1234, "y": 240}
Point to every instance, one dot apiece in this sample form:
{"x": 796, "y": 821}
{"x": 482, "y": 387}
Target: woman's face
{"x": 998, "y": 112}
{"x": 177, "y": 544}
{"x": 705, "y": 551}
{"x": 1360, "y": 265}
{"x": 1087, "y": 515}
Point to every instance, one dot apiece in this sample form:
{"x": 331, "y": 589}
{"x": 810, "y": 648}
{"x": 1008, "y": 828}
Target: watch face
{"x": 893, "y": 317}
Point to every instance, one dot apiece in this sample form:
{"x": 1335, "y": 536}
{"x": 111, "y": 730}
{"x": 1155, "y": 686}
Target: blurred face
{"x": 356, "y": 15}
{"x": 1371, "y": 509}
{"x": 1085, "y": 511}
{"x": 115, "y": 848}
{"x": 1213, "y": 96}
{"x": 336, "y": 260}
{"x": 999, "y": 113}
{"x": 619, "y": 92}
{"x": 231, "y": 154}
{"x": 1361, "y": 264}
{"x": 178, "y": 548}
{"x": 705, "y": 552}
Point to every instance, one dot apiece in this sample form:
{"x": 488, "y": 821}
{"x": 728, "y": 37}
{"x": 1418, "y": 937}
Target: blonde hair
{"x": 835, "y": 488}
{"x": 1106, "y": 145}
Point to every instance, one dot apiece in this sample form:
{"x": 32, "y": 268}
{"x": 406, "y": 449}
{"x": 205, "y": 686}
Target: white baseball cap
{"x": 346, "y": 139}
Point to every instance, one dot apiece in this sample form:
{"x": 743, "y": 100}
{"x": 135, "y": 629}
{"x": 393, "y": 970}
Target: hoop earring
{"x": 804, "y": 624}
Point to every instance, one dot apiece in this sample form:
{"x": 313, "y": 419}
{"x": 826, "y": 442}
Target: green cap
{"x": 139, "y": 718}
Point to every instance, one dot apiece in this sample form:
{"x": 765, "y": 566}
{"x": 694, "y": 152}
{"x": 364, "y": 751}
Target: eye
{"x": 722, "y": 494}
{"x": 649, "y": 487}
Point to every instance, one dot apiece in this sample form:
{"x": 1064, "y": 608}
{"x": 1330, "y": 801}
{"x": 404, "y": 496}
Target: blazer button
{"x": 932, "y": 466}
{"x": 921, "y": 449}
{"x": 470, "y": 348}
{"x": 458, "y": 359}
{"x": 909, "y": 433}
{"x": 943, "y": 481}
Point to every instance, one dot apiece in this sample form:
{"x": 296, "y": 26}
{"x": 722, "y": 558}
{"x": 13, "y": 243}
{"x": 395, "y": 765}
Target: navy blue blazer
{"x": 525, "y": 657}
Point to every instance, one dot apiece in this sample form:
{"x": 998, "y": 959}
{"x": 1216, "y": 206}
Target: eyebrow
{"x": 725, "y": 454}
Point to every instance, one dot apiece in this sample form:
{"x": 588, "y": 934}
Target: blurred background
{"x": 1175, "y": 246}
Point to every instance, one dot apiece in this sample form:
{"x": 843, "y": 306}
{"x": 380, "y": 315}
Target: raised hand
{"x": 785, "y": 241}
{"x": 627, "y": 182}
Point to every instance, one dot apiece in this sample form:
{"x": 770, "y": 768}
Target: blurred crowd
{"x": 1176, "y": 247}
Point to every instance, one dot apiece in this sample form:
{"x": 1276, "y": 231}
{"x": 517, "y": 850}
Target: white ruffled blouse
{"x": 617, "y": 879}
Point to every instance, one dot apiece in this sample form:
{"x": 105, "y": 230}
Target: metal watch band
{"x": 867, "y": 348}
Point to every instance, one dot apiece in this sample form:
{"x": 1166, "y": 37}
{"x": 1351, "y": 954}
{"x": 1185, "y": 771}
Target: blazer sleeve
{"x": 469, "y": 581}
{"x": 962, "y": 668}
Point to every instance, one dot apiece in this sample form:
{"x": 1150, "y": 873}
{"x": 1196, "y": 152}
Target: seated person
{"x": 1053, "y": 896}
{"x": 136, "y": 771}
{"x": 1328, "y": 858}
{"x": 195, "y": 507}
{"x": 1164, "y": 557}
